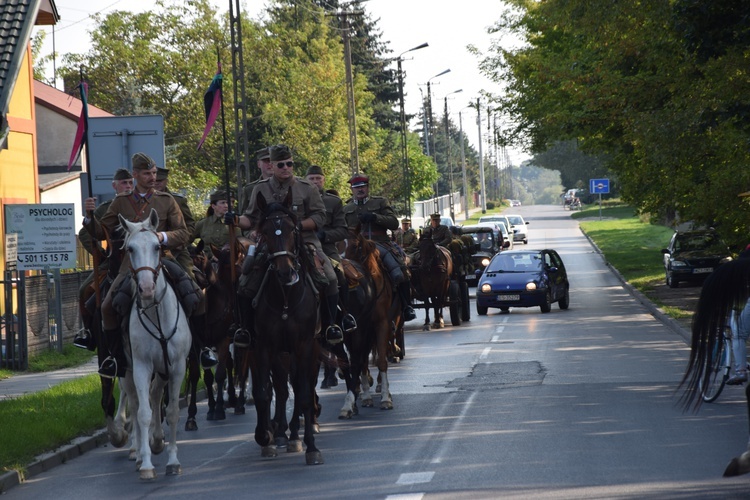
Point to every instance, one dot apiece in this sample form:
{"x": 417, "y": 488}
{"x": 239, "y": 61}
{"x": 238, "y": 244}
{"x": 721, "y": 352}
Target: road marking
{"x": 485, "y": 353}
{"x": 446, "y": 443}
{"x": 407, "y": 496}
{"x": 415, "y": 477}
{"x": 499, "y": 329}
{"x": 495, "y": 338}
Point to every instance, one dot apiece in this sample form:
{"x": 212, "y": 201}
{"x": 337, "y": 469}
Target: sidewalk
{"x": 27, "y": 383}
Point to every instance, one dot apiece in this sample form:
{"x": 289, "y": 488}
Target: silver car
{"x": 520, "y": 232}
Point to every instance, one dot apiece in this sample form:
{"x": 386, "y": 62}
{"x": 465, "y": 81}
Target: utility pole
{"x": 241, "y": 146}
{"x": 448, "y": 155}
{"x": 481, "y": 159}
{"x": 350, "y": 105}
{"x": 463, "y": 166}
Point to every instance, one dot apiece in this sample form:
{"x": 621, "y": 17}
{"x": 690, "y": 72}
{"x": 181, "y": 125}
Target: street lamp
{"x": 448, "y": 155}
{"x": 404, "y": 149}
{"x": 429, "y": 127}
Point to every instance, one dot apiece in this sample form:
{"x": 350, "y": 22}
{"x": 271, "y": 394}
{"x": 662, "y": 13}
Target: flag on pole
{"x": 83, "y": 124}
{"x": 212, "y": 103}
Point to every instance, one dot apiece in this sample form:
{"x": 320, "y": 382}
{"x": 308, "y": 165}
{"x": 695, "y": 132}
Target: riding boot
{"x": 348, "y": 323}
{"x": 84, "y": 340}
{"x": 333, "y": 334}
{"x": 403, "y": 292}
{"x": 207, "y": 356}
{"x": 115, "y": 364}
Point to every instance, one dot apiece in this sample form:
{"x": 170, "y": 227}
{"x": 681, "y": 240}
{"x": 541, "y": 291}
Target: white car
{"x": 520, "y": 232}
{"x": 497, "y": 218}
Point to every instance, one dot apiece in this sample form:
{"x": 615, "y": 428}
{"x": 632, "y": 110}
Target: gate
{"x": 14, "y": 354}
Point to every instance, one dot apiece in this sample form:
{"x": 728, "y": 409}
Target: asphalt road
{"x": 571, "y": 404}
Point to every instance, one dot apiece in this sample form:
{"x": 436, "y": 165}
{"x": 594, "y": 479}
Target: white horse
{"x": 159, "y": 345}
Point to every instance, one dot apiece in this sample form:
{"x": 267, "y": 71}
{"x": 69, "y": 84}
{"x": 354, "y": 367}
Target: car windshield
{"x": 515, "y": 220}
{"x": 484, "y": 240}
{"x": 709, "y": 243}
{"x": 515, "y": 263}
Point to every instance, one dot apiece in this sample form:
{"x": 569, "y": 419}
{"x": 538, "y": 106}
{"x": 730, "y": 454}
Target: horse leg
{"x": 173, "y": 416}
{"x": 741, "y": 465}
{"x": 156, "y": 397}
{"x": 142, "y": 380}
{"x": 383, "y": 331}
{"x": 280, "y": 377}
{"x": 208, "y": 379}
{"x": 242, "y": 356}
{"x": 260, "y": 369}
{"x": 426, "y": 326}
{"x": 304, "y": 395}
{"x": 193, "y": 377}
{"x": 350, "y": 400}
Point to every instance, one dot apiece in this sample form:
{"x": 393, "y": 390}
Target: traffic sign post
{"x": 599, "y": 186}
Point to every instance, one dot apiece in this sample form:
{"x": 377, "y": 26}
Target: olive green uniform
{"x": 441, "y": 235}
{"x": 213, "y": 231}
{"x": 408, "y": 240}
{"x": 385, "y": 218}
{"x": 334, "y": 229}
{"x": 182, "y": 256}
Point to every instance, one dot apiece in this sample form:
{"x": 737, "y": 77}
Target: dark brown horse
{"x": 378, "y": 314}
{"x": 286, "y": 320}
{"x": 431, "y": 279}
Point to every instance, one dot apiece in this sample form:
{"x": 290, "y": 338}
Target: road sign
{"x": 11, "y": 252}
{"x": 599, "y": 186}
{"x": 46, "y": 235}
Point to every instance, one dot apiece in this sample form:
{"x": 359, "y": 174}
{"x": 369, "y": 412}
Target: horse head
{"x": 278, "y": 229}
{"x": 427, "y": 251}
{"x": 143, "y": 249}
{"x": 362, "y": 250}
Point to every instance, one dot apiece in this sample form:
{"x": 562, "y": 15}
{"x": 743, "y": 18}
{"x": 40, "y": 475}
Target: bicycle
{"x": 722, "y": 362}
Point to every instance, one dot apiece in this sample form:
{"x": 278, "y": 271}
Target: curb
{"x": 65, "y": 453}
{"x": 656, "y": 312}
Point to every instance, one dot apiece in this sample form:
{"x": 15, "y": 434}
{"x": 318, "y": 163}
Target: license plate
{"x": 508, "y": 297}
{"x": 701, "y": 270}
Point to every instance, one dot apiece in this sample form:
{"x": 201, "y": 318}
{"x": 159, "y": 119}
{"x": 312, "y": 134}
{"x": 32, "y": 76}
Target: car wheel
{"x": 564, "y": 301}
{"x": 525, "y": 242}
{"x": 482, "y": 310}
{"x": 547, "y": 306}
{"x": 671, "y": 281}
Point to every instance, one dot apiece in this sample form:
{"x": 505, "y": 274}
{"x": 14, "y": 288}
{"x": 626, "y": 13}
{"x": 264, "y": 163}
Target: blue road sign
{"x": 599, "y": 186}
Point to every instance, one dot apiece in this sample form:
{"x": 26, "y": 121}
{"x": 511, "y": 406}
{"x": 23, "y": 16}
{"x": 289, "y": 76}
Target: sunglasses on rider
{"x": 282, "y": 164}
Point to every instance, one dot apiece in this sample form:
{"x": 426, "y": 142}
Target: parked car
{"x": 693, "y": 255}
{"x": 487, "y": 242}
{"x": 523, "y": 278}
{"x": 520, "y": 232}
{"x": 497, "y": 218}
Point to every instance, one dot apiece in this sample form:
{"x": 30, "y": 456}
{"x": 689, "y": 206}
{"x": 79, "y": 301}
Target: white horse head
{"x": 143, "y": 248}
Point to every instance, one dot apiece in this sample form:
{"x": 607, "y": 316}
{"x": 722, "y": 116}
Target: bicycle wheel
{"x": 720, "y": 365}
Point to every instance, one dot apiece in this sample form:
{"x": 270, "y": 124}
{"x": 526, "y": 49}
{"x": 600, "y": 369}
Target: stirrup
{"x": 334, "y": 335}
{"x": 208, "y": 358}
{"x": 108, "y": 368}
{"x": 409, "y": 313}
{"x": 82, "y": 340}
{"x": 348, "y": 323}
{"x": 242, "y": 337}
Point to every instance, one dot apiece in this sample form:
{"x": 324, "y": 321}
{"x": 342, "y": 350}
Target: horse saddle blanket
{"x": 352, "y": 274}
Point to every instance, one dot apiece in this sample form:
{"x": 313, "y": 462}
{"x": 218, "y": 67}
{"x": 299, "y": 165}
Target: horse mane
{"x": 367, "y": 255}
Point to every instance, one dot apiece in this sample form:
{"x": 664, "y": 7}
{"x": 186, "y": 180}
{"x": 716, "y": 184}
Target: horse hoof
{"x": 345, "y": 414}
{"x": 367, "y": 403}
{"x": 738, "y": 466}
{"x": 132, "y": 456}
{"x": 316, "y": 428}
{"x": 386, "y": 405}
{"x": 156, "y": 445}
{"x": 281, "y": 442}
{"x": 268, "y": 451}
{"x": 191, "y": 425}
{"x": 138, "y": 464}
{"x": 211, "y": 415}
{"x": 221, "y": 415}
{"x": 314, "y": 458}
{"x": 147, "y": 474}
{"x": 426, "y": 328}
{"x": 294, "y": 446}
{"x": 174, "y": 470}
{"x": 239, "y": 410}
{"x": 118, "y": 440}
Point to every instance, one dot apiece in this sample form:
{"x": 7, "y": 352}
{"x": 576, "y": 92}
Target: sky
{"x": 403, "y": 23}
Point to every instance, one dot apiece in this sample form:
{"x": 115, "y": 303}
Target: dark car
{"x": 523, "y": 278}
{"x": 693, "y": 255}
{"x": 488, "y": 240}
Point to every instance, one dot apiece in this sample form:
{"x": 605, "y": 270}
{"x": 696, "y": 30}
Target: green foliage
{"x": 53, "y": 360}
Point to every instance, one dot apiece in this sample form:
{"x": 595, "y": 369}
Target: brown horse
{"x": 377, "y": 313}
{"x": 431, "y": 279}
{"x": 286, "y": 320}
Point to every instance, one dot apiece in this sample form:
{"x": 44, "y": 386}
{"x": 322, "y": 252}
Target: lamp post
{"x": 429, "y": 127}
{"x": 463, "y": 164}
{"x": 448, "y": 154}
{"x": 404, "y": 150}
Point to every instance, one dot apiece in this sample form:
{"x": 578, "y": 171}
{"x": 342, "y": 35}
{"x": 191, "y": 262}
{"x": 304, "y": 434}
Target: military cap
{"x": 314, "y": 170}
{"x": 142, "y": 161}
{"x": 280, "y": 152}
{"x": 435, "y": 216}
{"x": 218, "y": 195}
{"x": 359, "y": 180}
{"x": 122, "y": 174}
{"x": 406, "y": 220}
{"x": 262, "y": 154}
{"x": 161, "y": 173}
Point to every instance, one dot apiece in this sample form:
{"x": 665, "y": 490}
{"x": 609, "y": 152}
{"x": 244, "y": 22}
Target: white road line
{"x": 415, "y": 477}
{"x": 495, "y": 338}
{"x": 447, "y": 443}
{"x": 406, "y": 496}
{"x": 500, "y": 329}
{"x": 485, "y": 353}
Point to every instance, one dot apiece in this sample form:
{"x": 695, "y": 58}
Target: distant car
{"x": 520, "y": 232}
{"x": 523, "y": 278}
{"x": 487, "y": 242}
{"x": 497, "y": 218}
{"x": 507, "y": 238}
{"x": 515, "y": 203}
{"x": 693, "y": 255}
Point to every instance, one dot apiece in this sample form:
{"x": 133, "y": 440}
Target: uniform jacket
{"x": 213, "y": 231}
{"x": 385, "y": 218}
{"x": 441, "y": 235}
{"x": 335, "y": 226}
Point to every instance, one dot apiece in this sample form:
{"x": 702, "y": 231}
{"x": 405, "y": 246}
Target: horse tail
{"x": 726, "y": 288}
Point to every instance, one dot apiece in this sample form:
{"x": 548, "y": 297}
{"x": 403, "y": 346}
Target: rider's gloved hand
{"x": 321, "y": 235}
{"x": 230, "y": 218}
{"x": 366, "y": 217}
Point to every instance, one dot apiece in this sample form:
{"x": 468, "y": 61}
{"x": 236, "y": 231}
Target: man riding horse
{"x": 376, "y": 216}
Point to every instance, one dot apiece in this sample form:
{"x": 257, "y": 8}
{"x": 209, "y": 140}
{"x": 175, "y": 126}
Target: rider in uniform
{"x": 211, "y": 229}
{"x": 122, "y": 182}
{"x": 311, "y": 216}
{"x": 263, "y": 160}
{"x": 135, "y": 207}
{"x": 376, "y": 216}
{"x": 440, "y": 234}
{"x": 406, "y": 237}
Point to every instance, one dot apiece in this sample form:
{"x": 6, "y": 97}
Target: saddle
{"x": 353, "y": 276}
{"x": 315, "y": 264}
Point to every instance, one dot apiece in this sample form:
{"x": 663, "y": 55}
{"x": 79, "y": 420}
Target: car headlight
{"x": 678, "y": 263}
{"x": 486, "y": 288}
{"x": 725, "y": 260}
{"x": 485, "y": 262}
{"x": 530, "y": 286}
